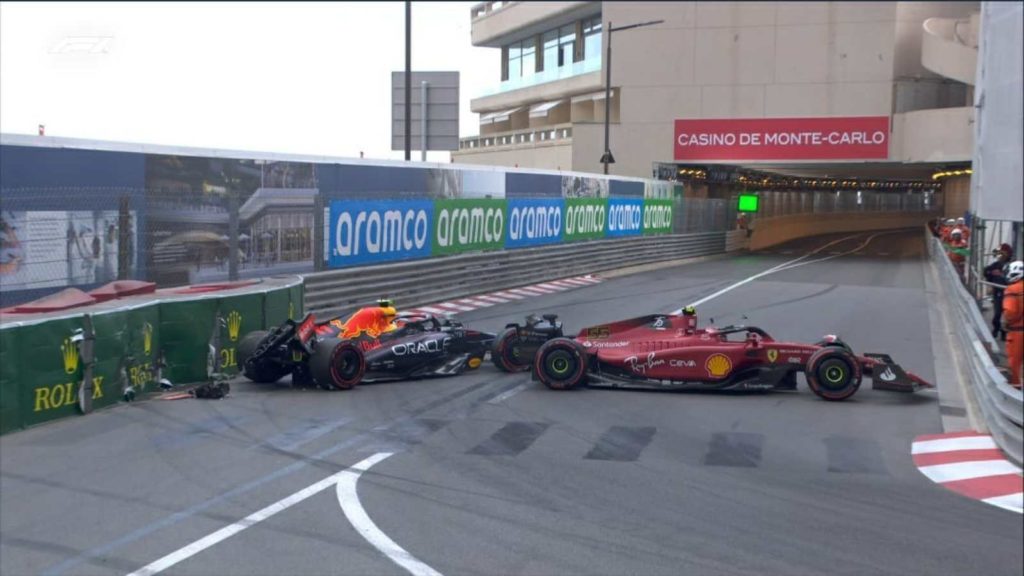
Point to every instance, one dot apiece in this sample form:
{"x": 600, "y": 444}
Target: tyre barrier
{"x": 1001, "y": 405}
{"x": 66, "y": 363}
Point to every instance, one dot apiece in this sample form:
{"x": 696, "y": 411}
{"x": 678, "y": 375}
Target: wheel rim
{"x": 834, "y": 374}
{"x": 560, "y": 364}
{"x": 347, "y": 365}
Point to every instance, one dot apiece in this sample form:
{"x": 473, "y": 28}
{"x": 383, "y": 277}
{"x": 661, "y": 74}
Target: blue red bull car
{"x": 373, "y": 344}
{"x": 669, "y": 352}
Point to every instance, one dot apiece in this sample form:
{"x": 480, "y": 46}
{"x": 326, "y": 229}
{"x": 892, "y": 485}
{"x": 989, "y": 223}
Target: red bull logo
{"x": 369, "y": 321}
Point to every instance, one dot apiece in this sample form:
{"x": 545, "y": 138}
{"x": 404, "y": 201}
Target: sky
{"x": 297, "y": 78}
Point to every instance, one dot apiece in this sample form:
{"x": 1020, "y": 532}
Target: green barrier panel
{"x": 242, "y": 314}
{"x": 277, "y": 308}
{"x": 185, "y": 329}
{"x": 296, "y": 304}
{"x": 142, "y": 352}
{"x": 585, "y": 218}
{"x": 464, "y": 225}
{"x": 112, "y": 338}
{"x": 50, "y": 371}
{"x": 657, "y": 217}
{"x": 10, "y": 378}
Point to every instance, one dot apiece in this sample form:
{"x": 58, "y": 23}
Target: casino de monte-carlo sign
{"x": 842, "y": 138}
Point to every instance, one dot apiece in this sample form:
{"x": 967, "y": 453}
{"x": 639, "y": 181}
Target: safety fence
{"x": 68, "y": 363}
{"x": 422, "y": 282}
{"x": 1001, "y": 405}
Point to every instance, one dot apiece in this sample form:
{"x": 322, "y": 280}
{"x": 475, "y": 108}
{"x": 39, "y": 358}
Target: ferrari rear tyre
{"x": 833, "y": 373}
{"x": 507, "y": 352}
{"x": 560, "y": 364}
{"x": 337, "y": 363}
{"x": 262, "y": 371}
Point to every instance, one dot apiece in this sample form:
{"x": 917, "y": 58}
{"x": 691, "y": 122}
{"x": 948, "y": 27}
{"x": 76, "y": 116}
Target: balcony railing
{"x": 487, "y": 7}
{"x": 560, "y": 133}
{"x": 560, "y": 73}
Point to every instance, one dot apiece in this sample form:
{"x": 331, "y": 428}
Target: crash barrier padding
{"x": 420, "y": 282}
{"x": 183, "y": 338}
{"x": 779, "y": 229}
{"x": 1001, "y": 405}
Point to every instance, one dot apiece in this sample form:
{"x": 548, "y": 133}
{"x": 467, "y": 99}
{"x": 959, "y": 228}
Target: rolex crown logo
{"x": 291, "y": 311}
{"x": 70, "y": 352}
{"x": 234, "y": 325}
{"x": 147, "y": 338}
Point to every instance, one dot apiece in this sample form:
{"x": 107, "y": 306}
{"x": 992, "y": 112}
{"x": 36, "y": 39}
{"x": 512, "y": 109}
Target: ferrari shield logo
{"x": 773, "y": 355}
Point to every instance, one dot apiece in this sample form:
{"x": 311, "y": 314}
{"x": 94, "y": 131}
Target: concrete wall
{"x": 938, "y": 135}
{"x": 544, "y": 156}
{"x": 956, "y": 192}
{"x": 492, "y": 28}
{"x": 772, "y": 231}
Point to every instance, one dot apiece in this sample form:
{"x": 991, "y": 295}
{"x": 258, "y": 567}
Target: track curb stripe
{"x": 970, "y": 464}
{"x": 505, "y": 296}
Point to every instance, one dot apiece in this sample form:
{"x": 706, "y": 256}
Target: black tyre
{"x": 560, "y": 364}
{"x": 262, "y": 371}
{"x": 337, "y": 363}
{"x": 508, "y": 354}
{"x": 833, "y": 373}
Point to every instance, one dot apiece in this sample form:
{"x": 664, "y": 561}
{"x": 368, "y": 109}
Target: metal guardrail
{"x": 1001, "y": 404}
{"x": 421, "y": 282}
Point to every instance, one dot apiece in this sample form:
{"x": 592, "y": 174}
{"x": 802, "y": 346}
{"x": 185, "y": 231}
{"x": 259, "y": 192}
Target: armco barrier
{"x": 137, "y": 340}
{"x": 420, "y": 282}
{"x": 1001, "y": 404}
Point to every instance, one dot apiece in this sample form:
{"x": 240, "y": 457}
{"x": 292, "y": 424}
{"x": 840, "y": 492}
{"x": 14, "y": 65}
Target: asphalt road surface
{"x": 490, "y": 473}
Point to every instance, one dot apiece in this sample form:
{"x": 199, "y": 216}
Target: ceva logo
{"x": 378, "y": 231}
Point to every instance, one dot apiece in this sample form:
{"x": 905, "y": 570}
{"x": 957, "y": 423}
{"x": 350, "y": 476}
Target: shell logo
{"x": 718, "y": 365}
{"x": 474, "y": 362}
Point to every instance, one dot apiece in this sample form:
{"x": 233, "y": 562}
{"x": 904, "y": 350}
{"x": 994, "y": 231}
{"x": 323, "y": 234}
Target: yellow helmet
{"x": 690, "y": 311}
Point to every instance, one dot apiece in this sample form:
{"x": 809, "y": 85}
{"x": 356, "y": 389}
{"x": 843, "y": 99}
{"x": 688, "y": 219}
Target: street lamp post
{"x": 607, "y": 157}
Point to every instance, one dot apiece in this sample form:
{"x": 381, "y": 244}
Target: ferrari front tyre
{"x": 560, "y": 364}
{"x": 337, "y": 363}
{"x": 507, "y": 353}
{"x": 833, "y": 373}
{"x": 262, "y": 371}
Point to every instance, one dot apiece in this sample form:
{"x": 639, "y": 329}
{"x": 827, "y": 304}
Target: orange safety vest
{"x": 1013, "y": 307}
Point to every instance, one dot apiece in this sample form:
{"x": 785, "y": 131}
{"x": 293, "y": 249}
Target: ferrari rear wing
{"x": 888, "y": 375}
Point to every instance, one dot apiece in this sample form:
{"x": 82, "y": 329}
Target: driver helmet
{"x": 690, "y": 311}
{"x": 960, "y": 220}
{"x": 388, "y": 306}
{"x": 1014, "y": 271}
{"x": 956, "y": 233}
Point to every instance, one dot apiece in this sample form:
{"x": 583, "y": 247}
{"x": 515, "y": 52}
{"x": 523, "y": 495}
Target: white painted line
{"x": 1012, "y": 502}
{"x": 942, "y": 473}
{"x": 953, "y": 444}
{"x": 589, "y": 279}
{"x": 353, "y": 509}
{"x": 507, "y": 394}
{"x": 250, "y": 520}
{"x": 562, "y": 284}
{"x": 784, "y": 266}
{"x": 551, "y": 286}
{"x": 509, "y": 295}
{"x": 529, "y": 291}
{"x": 576, "y": 282}
{"x": 453, "y": 306}
{"x": 473, "y": 302}
{"x": 492, "y": 299}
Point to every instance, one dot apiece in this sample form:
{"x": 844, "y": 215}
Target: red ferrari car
{"x": 670, "y": 352}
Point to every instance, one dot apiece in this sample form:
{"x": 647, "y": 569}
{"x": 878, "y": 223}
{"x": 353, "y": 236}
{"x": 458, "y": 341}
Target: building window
{"x": 592, "y": 38}
{"x": 550, "y": 61}
{"x": 522, "y": 59}
{"x": 566, "y": 44}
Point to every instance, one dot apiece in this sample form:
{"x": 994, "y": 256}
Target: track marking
{"x": 942, "y": 473}
{"x": 230, "y": 530}
{"x": 492, "y": 299}
{"x": 766, "y": 272}
{"x": 952, "y": 444}
{"x": 348, "y": 499}
{"x": 970, "y": 464}
{"x": 507, "y": 394}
